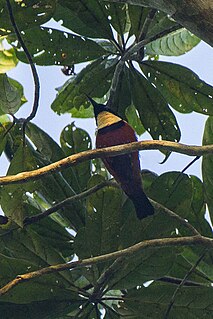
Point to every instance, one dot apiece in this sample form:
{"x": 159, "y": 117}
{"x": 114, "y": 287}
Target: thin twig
{"x": 36, "y": 218}
{"x": 32, "y": 66}
{"x": 177, "y": 281}
{"x": 24, "y": 177}
{"x": 127, "y": 252}
{"x": 182, "y": 284}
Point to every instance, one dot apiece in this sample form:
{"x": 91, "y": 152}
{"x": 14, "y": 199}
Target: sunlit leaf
{"x": 181, "y": 87}
{"x": 8, "y": 60}
{"x": 53, "y": 47}
{"x": 75, "y": 140}
{"x": 173, "y": 44}
{"x": 86, "y": 17}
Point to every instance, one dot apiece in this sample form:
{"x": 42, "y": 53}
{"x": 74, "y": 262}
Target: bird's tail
{"x": 143, "y": 207}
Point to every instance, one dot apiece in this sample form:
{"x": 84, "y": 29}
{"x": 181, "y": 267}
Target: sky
{"x": 199, "y": 59}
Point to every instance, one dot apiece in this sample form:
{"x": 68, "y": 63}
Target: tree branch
{"x": 36, "y": 218}
{"x": 154, "y": 243}
{"x": 75, "y": 159}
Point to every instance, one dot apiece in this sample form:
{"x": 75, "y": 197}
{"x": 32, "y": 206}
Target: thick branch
{"x": 107, "y": 151}
{"x": 154, "y": 243}
{"x": 195, "y": 15}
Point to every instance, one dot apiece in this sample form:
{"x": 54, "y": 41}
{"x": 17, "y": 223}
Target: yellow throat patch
{"x": 106, "y": 118}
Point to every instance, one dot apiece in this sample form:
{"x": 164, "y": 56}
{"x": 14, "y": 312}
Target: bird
{"x": 113, "y": 130}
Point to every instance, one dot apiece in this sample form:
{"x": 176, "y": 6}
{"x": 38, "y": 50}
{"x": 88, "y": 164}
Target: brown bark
{"x": 194, "y": 15}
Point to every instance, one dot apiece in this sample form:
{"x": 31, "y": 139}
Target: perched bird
{"x": 113, "y": 130}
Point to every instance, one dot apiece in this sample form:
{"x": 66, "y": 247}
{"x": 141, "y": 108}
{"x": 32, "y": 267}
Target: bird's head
{"x": 103, "y": 114}
{"x": 98, "y": 108}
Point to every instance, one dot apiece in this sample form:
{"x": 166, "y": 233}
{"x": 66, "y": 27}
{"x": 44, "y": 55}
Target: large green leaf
{"x": 118, "y": 17}
{"x": 182, "y": 266}
{"x": 102, "y": 222}
{"x": 122, "y": 96}
{"x": 27, "y": 251}
{"x": 94, "y": 80}
{"x": 51, "y": 309}
{"x": 134, "y": 119}
{"x": 86, "y": 17}
{"x": 53, "y": 47}
{"x": 13, "y": 196}
{"x": 207, "y": 166}
{"x": 27, "y": 15}
{"x": 11, "y": 95}
{"x": 167, "y": 190}
{"x": 153, "y": 302}
{"x": 173, "y": 44}
{"x": 137, "y": 15}
{"x": 181, "y": 87}
{"x": 197, "y": 219}
{"x": 75, "y": 140}
{"x": 155, "y": 114}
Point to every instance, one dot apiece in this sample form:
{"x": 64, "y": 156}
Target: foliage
{"x": 147, "y": 93}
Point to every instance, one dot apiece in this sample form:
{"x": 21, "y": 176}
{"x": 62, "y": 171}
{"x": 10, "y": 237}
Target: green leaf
{"x": 86, "y": 17}
{"x": 26, "y": 15}
{"x": 48, "y": 309}
{"x": 122, "y": 96}
{"x": 167, "y": 190}
{"x": 149, "y": 265}
{"x": 102, "y": 222}
{"x": 53, "y": 47}
{"x": 13, "y": 197}
{"x": 182, "y": 266}
{"x": 133, "y": 118}
{"x": 197, "y": 219}
{"x": 174, "y": 44}
{"x": 181, "y": 87}
{"x": 8, "y": 60}
{"x": 118, "y": 17}
{"x": 161, "y": 22}
{"x": 190, "y": 302}
{"x": 155, "y": 114}
{"x": 205, "y": 265}
{"x": 207, "y": 166}
{"x": 11, "y": 95}
{"x": 27, "y": 251}
{"x": 75, "y": 140}
{"x": 137, "y": 15}
{"x": 94, "y": 80}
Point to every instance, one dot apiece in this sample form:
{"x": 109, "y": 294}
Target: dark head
{"x": 98, "y": 108}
